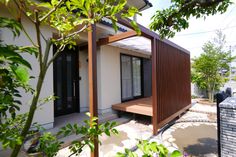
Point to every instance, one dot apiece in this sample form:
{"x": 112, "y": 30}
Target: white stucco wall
{"x": 83, "y": 83}
{"x": 45, "y": 113}
{"x": 108, "y": 75}
{"x": 109, "y": 81}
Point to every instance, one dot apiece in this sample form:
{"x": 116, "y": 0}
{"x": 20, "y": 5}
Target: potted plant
{"x": 42, "y": 145}
{"x": 31, "y": 144}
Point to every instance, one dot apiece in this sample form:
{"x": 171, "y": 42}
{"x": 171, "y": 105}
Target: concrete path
{"x": 198, "y": 138}
{"x": 127, "y": 138}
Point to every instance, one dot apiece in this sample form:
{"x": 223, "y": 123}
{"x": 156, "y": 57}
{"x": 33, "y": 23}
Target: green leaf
{"x": 114, "y": 131}
{"x": 135, "y": 26}
{"x": 88, "y": 114}
{"x": 113, "y": 124}
{"x": 114, "y": 25}
{"x": 176, "y": 153}
{"x": 21, "y": 73}
{"x": 91, "y": 145}
{"x": 54, "y": 2}
{"x": 94, "y": 118}
{"x": 87, "y": 5}
{"x": 45, "y": 5}
{"x": 20, "y": 61}
{"x": 107, "y": 132}
{"x": 12, "y": 24}
{"x": 8, "y": 51}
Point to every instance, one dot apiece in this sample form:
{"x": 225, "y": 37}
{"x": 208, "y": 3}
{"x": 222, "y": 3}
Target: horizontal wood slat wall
{"x": 173, "y": 82}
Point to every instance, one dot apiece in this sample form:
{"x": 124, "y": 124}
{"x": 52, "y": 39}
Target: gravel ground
{"x": 204, "y": 108}
{"x": 133, "y": 130}
{"x": 195, "y": 132}
{"x": 173, "y": 138}
{"x": 127, "y": 138}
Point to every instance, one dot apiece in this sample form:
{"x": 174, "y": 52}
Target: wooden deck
{"x": 141, "y": 106}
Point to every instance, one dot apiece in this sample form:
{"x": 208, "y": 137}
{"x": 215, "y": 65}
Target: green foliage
{"x": 10, "y": 131}
{"x": 11, "y": 24}
{"x": 149, "y": 149}
{"x": 13, "y": 76}
{"x": 69, "y": 18}
{"x": 208, "y": 69}
{"x": 65, "y": 16}
{"x": 49, "y": 144}
{"x": 13, "y": 70}
{"x": 90, "y": 132}
{"x": 175, "y": 18}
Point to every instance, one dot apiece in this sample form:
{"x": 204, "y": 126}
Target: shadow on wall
{"x": 203, "y": 148}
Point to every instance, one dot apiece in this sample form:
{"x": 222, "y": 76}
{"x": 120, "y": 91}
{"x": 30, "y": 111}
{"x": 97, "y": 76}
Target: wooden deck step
{"x": 141, "y": 106}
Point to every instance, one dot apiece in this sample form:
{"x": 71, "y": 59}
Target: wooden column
{"x": 154, "y": 85}
{"x": 92, "y": 74}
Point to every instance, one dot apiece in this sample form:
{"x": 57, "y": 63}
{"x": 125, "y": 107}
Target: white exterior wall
{"x": 83, "y": 83}
{"x": 44, "y": 114}
{"x": 108, "y": 75}
{"x": 109, "y": 79}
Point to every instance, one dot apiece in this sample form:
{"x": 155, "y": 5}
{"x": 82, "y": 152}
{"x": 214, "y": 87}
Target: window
{"x": 131, "y": 77}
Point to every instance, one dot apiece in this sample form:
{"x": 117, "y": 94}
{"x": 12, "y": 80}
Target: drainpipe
{"x": 135, "y": 18}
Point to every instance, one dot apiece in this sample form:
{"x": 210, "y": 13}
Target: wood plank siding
{"x": 173, "y": 82}
{"x": 171, "y": 93}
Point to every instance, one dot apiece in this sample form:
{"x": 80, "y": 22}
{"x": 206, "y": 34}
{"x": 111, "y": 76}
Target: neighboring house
{"x": 124, "y": 73}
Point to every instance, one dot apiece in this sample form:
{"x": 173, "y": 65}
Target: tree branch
{"x": 47, "y": 51}
{"x": 28, "y": 36}
{"x": 51, "y": 11}
{"x": 23, "y": 28}
{"x": 21, "y": 10}
{"x": 72, "y": 34}
{"x": 189, "y": 4}
{"x": 61, "y": 48}
{"x": 37, "y": 26}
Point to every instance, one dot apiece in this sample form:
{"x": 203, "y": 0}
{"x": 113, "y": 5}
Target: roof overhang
{"x": 140, "y": 4}
{"x": 137, "y": 44}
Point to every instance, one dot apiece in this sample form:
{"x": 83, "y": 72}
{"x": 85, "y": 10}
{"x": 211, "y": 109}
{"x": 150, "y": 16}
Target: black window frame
{"x": 141, "y": 73}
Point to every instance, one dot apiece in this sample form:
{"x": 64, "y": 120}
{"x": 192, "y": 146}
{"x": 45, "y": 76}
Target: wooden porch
{"x": 141, "y": 106}
{"x": 171, "y": 92}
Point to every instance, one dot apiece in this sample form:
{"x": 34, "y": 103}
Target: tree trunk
{"x": 30, "y": 117}
{"x": 211, "y": 96}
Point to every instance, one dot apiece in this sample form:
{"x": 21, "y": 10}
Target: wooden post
{"x": 154, "y": 85}
{"x": 92, "y": 74}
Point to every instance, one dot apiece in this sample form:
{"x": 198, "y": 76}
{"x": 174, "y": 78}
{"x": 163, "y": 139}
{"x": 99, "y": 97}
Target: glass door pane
{"x": 126, "y": 77}
{"x": 136, "y": 64}
{"x": 69, "y": 82}
{"x": 59, "y": 83}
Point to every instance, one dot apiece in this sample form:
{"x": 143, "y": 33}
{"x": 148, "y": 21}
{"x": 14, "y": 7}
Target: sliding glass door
{"x": 131, "y": 79}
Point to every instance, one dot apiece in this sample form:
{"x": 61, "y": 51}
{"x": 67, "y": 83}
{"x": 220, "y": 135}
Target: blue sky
{"x": 200, "y": 30}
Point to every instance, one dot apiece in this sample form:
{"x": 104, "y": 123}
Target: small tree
{"x": 209, "y": 70}
{"x": 69, "y": 18}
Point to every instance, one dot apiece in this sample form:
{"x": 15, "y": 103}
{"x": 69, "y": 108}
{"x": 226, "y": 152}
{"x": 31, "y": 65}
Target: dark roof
{"x": 109, "y": 24}
{"x": 148, "y": 3}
